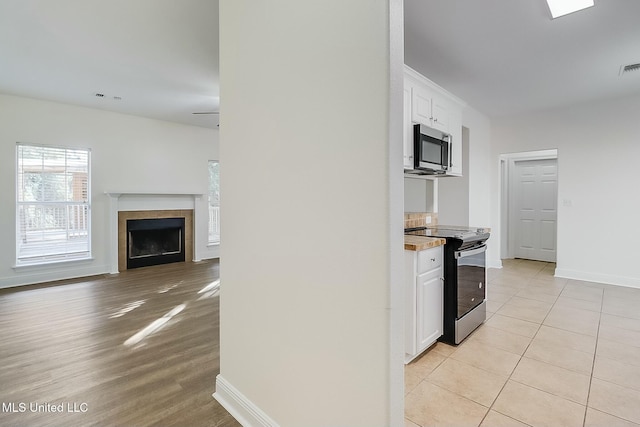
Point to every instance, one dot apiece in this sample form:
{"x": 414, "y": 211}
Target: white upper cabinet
{"x": 455, "y": 129}
{"x": 428, "y": 109}
{"x": 420, "y": 105}
{"x": 432, "y": 106}
{"x": 407, "y": 130}
{"x": 440, "y": 114}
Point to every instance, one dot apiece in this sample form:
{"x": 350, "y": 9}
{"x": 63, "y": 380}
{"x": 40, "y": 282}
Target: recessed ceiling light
{"x": 564, "y": 7}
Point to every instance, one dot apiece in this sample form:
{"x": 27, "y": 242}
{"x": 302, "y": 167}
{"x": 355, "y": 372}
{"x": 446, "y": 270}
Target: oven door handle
{"x": 470, "y": 252}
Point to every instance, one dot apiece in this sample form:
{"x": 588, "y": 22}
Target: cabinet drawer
{"x": 429, "y": 259}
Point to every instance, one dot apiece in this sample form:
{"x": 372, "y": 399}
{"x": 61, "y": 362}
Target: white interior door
{"x": 534, "y": 186}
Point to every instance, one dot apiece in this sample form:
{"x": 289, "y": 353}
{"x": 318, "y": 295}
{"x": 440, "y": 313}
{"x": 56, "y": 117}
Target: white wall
{"x": 311, "y": 186}
{"x": 480, "y": 136}
{"x": 128, "y": 154}
{"x": 419, "y": 195}
{"x": 598, "y": 151}
{"x": 453, "y": 192}
{"x": 471, "y": 193}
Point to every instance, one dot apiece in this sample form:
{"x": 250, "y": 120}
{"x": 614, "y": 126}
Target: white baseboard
{"x": 241, "y": 408}
{"x": 632, "y": 282}
{"x": 29, "y": 275}
{"x": 494, "y": 263}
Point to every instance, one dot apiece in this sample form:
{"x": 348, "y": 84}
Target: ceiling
{"x": 159, "y": 58}
{"x": 507, "y": 57}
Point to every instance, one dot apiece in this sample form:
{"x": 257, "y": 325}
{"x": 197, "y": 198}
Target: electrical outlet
{"x": 427, "y": 219}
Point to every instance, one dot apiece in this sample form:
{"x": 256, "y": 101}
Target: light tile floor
{"x": 553, "y": 352}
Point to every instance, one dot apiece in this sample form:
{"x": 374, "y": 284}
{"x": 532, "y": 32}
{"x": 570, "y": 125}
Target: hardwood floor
{"x": 72, "y": 354}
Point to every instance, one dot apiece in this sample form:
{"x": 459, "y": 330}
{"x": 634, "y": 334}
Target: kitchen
{"x": 511, "y": 340}
{"x": 433, "y": 150}
{"x": 548, "y": 319}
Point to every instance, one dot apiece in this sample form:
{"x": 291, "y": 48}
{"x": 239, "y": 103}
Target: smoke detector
{"x": 104, "y": 96}
{"x": 628, "y": 68}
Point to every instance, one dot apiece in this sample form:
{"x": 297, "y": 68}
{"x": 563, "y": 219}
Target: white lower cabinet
{"x": 429, "y": 308}
{"x": 423, "y": 300}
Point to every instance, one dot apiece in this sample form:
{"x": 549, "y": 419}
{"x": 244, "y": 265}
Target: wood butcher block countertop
{"x": 419, "y": 243}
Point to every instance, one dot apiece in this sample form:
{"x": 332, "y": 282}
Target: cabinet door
{"x": 430, "y": 302}
{"x": 455, "y": 128}
{"x": 411, "y": 323}
{"x": 440, "y": 115}
{"x": 407, "y": 128}
{"x": 421, "y": 106}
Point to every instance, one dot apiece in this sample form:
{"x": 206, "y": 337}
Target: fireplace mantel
{"x": 149, "y": 200}
{"x": 117, "y": 194}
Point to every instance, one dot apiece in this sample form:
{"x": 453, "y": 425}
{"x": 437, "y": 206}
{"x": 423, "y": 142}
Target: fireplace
{"x": 153, "y": 237}
{"x": 155, "y": 241}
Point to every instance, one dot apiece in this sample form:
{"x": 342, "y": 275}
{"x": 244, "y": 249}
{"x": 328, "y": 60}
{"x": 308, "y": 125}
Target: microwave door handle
{"x": 450, "y": 152}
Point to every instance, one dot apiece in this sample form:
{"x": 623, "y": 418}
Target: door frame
{"x": 507, "y": 164}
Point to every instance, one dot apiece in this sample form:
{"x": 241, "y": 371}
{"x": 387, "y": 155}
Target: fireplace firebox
{"x": 155, "y": 241}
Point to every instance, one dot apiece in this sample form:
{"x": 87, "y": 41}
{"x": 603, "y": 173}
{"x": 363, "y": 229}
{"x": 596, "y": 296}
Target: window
{"x": 53, "y": 204}
{"x": 214, "y": 202}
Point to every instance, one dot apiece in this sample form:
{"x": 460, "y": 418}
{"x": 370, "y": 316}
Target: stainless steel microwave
{"x": 431, "y": 150}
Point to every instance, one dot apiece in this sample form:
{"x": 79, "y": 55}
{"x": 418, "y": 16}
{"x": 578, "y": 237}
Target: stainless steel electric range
{"x": 465, "y": 278}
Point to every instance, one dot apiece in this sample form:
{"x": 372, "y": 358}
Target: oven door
{"x": 472, "y": 275}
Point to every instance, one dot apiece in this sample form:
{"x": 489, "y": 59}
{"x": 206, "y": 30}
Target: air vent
{"x": 628, "y": 68}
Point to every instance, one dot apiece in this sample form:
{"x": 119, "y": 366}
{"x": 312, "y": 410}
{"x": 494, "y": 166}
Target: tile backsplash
{"x": 420, "y": 219}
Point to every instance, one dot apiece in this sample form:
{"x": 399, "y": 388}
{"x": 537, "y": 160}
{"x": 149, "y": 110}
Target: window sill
{"x": 212, "y": 244}
{"x": 44, "y": 264}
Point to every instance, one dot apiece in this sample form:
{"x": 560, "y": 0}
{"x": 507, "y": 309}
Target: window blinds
{"x": 214, "y": 202}
{"x": 53, "y": 204}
